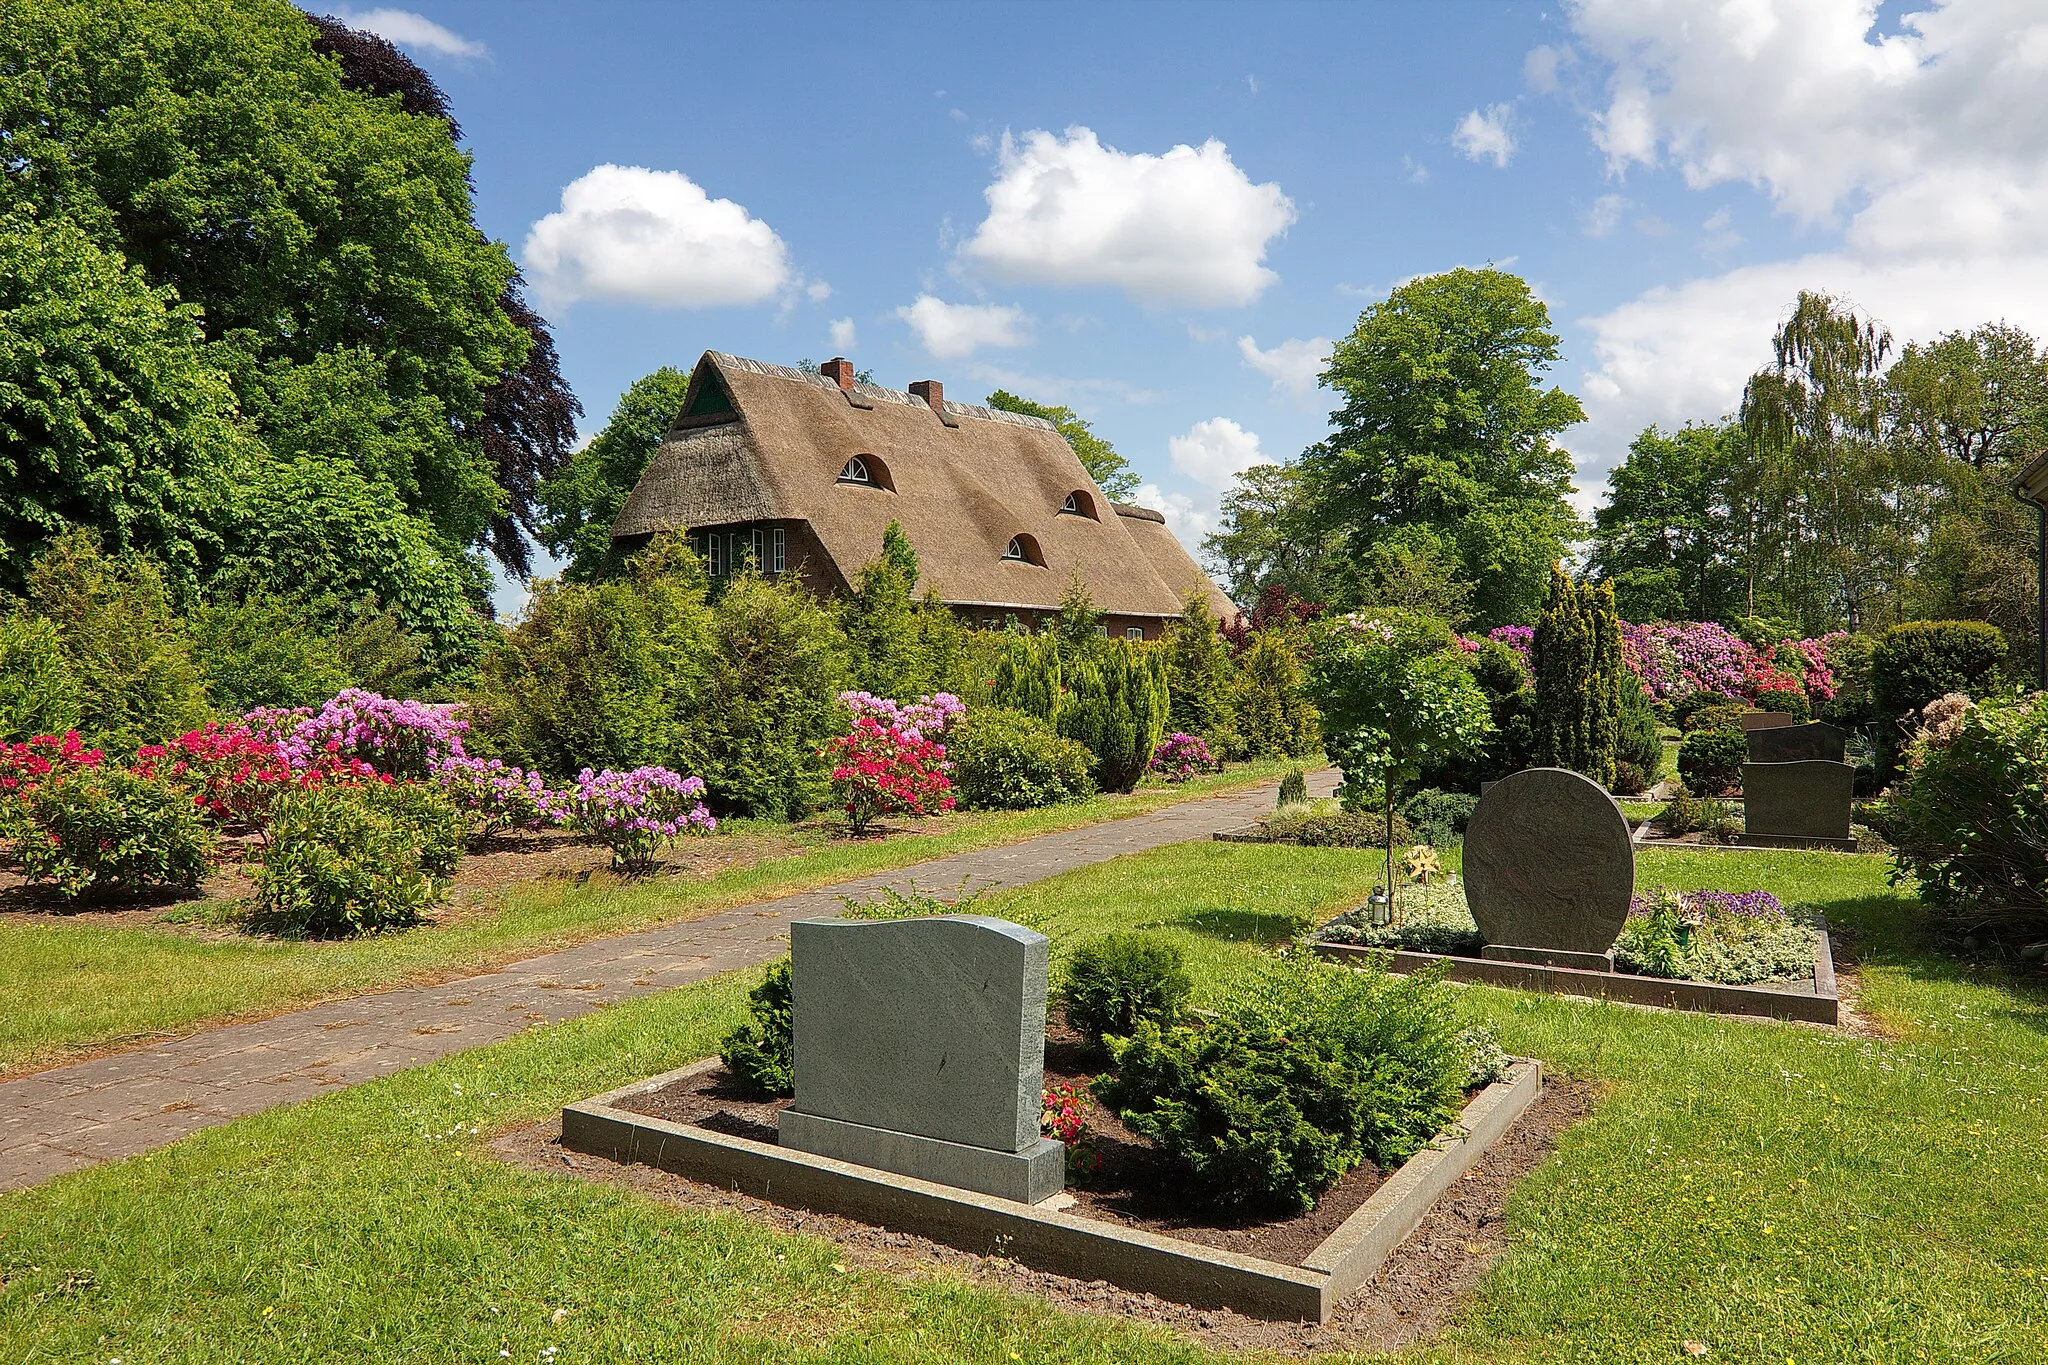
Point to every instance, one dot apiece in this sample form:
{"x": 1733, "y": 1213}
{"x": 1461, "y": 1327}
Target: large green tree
{"x": 1670, "y": 535}
{"x": 1268, "y": 536}
{"x": 1445, "y": 436}
{"x": 316, "y": 224}
{"x": 1112, "y": 472}
{"x": 584, "y": 497}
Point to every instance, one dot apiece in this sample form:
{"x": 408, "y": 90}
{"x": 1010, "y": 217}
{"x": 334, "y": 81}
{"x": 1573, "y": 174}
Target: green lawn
{"x": 79, "y": 984}
{"x": 1779, "y": 1192}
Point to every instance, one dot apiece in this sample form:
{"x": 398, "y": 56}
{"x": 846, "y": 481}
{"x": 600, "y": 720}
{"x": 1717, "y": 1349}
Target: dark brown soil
{"x": 1421, "y": 1288}
{"x": 1135, "y": 1185}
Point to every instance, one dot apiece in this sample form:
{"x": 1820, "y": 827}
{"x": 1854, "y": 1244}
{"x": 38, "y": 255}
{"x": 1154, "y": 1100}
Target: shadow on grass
{"x": 1241, "y": 926}
{"x": 1896, "y": 932}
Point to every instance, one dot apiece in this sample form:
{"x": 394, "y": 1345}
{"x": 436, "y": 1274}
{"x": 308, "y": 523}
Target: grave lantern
{"x": 1379, "y": 910}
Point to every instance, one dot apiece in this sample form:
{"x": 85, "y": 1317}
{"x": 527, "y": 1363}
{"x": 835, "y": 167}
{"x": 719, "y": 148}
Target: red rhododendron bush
{"x": 887, "y": 764}
{"x": 1676, "y": 659}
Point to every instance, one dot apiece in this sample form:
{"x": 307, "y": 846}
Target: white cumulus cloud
{"x": 636, "y": 235}
{"x": 1294, "y": 365}
{"x": 1184, "y": 227}
{"x": 1484, "y": 134}
{"x": 1605, "y": 214}
{"x": 1922, "y": 152}
{"x": 1186, "y": 518}
{"x": 842, "y": 334}
{"x": 406, "y": 29}
{"x": 953, "y": 331}
{"x": 1214, "y": 452}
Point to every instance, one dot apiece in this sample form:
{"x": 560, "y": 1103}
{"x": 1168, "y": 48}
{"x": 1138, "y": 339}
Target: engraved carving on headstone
{"x": 1549, "y": 869}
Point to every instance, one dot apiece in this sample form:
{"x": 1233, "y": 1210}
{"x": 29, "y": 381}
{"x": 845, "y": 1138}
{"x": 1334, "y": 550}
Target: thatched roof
{"x": 757, "y": 442}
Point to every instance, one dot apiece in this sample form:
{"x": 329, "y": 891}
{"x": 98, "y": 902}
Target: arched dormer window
{"x": 1024, "y": 550}
{"x": 1080, "y": 503}
{"x": 867, "y": 471}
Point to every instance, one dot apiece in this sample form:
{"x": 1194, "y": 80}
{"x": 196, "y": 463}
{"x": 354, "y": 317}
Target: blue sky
{"x": 1159, "y": 214}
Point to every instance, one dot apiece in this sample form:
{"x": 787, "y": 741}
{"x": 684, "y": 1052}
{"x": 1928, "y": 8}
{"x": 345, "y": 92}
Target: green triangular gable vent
{"x": 708, "y": 397}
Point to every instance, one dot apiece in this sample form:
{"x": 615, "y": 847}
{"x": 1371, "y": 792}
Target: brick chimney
{"x": 839, "y": 370}
{"x": 932, "y": 392}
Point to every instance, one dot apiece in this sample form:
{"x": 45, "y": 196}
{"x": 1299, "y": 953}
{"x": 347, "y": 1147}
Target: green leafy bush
{"x": 1639, "y": 745}
{"x": 761, "y": 1053}
{"x": 1293, "y": 789}
{"x": 263, "y": 650}
{"x": 1793, "y": 704}
{"x": 1711, "y": 760}
{"x": 1685, "y": 708}
{"x": 1681, "y": 814}
{"x": 1198, "y": 676}
{"x": 440, "y": 830}
{"x": 1511, "y": 703}
{"x": 1114, "y": 982}
{"x": 1298, "y": 1079}
{"x": 1008, "y": 760}
{"x": 1720, "y": 716}
{"x": 778, "y": 664}
{"x": 1914, "y": 663}
{"x": 340, "y": 861}
{"x": 1115, "y": 704}
{"x": 1438, "y": 817}
{"x": 1968, "y": 819}
{"x": 104, "y": 830}
{"x": 1269, "y": 703}
{"x": 1323, "y": 827}
{"x": 38, "y": 694}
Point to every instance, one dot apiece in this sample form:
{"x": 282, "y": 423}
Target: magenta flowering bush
{"x": 398, "y": 738}
{"x": 926, "y": 718}
{"x": 1518, "y": 638}
{"x": 496, "y": 796}
{"x": 638, "y": 813}
{"x": 1180, "y": 756}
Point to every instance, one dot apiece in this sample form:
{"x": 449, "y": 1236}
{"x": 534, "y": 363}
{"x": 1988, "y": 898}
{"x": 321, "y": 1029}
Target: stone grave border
{"x": 1818, "y": 1004}
{"x": 1049, "y": 1240}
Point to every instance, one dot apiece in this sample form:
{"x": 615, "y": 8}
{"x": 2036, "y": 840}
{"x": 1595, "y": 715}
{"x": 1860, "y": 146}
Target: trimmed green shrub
{"x": 1720, "y": 716}
{"x": 1577, "y": 660}
{"x": 1115, "y": 704}
{"x": 340, "y": 861}
{"x": 1690, "y": 705}
{"x": 38, "y": 694}
{"x": 1269, "y": 702}
{"x": 1293, "y": 789}
{"x": 761, "y": 1053}
{"x": 1198, "y": 676}
{"x": 1114, "y": 982}
{"x": 1297, "y": 1080}
{"x": 1711, "y": 760}
{"x": 1007, "y": 760}
{"x": 1324, "y": 828}
{"x": 1639, "y": 746}
{"x": 1786, "y": 702}
{"x": 104, "y": 830}
{"x": 1914, "y": 663}
{"x": 1438, "y": 817}
{"x": 1681, "y": 814}
{"x": 440, "y": 830}
{"x": 1966, "y": 820}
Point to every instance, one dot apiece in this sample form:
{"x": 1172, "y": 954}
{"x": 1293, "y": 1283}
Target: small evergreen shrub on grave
{"x": 1301, "y": 1077}
{"x": 1727, "y": 716}
{"x": 1326, "y": 827}
{"x": 341, "y": 861}
{"x": 1793, "y": 704}
{"x": 1681, "y": 814}
{"x": 1711, "y": 760}
{"x": 1114, "y": 982}
{"x": 1438, "y": 817}
{"x": 1293, "y": 789}
{"x": 98, "y": 830}
{"x": 1913, "y": 664}
{"x": 761, "y": 1053}
{"x": 1685, "y": 708}
{"x": 1007, "y": 760}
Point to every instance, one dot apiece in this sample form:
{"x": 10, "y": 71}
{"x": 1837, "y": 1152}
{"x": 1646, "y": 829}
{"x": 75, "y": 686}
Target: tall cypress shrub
{"x": 1028, "y": 677}
{"x": 1115, "y": 704}
{"x": 1576, "y": 657}
{"x": 1198, "y": 675}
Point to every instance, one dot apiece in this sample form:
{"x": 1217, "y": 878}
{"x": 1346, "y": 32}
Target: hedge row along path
{"x": 75, "y": 1116}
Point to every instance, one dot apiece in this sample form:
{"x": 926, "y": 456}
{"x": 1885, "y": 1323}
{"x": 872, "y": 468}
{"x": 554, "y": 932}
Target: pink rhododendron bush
{"x": 1180, "y": 756}
{"x": 886, "y": 763}
{"x": 1676, "y": 659}
{"x": 639, "y": 813}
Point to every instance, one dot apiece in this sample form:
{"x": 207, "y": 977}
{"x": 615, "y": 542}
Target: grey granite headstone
{"x": 1798, "y": 743}
{"x": 1798, "y": 805}
{"x": 920, "y": 1049}
{"x": 1764, "y": 720}
{"x": 1549, "y": 869}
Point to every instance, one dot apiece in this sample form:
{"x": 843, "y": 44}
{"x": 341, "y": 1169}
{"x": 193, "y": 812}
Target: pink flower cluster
{"x": 24, "y": 765}
{"x": 397, "y": 737}
{"x": 882, "y": 769}
{"x": 1180, "y": 756}
{"x": 498, "y": 796}
{"x": 926, "y": 718}
{"x": 639, "y": 812}
{"x": 236, "y": 775}
{"x": 1678, "y": 658}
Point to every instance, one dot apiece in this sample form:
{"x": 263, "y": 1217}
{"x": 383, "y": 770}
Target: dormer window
{"x": 1023, "y": 550}
{"x": 868, "y": 471}
{"x": 1016, "y": 550}
{"x": 1079, "y": 503}
{"x": 856, "y": 471}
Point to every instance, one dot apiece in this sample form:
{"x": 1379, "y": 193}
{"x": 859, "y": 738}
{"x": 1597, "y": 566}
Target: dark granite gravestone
{"x": 1797, "y": 743}
{"x": 920, "y": 1049}
{"x": 1802, "y": 804}
{"x": 1549, "y": 869}
{"x": 1764, "y": 720}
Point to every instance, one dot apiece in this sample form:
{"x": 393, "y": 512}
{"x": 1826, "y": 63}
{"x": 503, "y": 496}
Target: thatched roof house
{"x": 803, "y": 472}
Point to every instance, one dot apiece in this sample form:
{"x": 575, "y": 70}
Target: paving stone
{"x": 244, "y": 1068}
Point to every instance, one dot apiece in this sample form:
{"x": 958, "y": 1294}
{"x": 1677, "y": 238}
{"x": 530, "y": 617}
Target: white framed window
{"x": 714, "y": 554}
{"x": 758, "y": 546}
{"x": 1134, "y": 632}
{"x": 856, "y": 471}
{"x": 775, "y": 550}
{"x": 1103, "y": 631}
{"x": 1016, "y": 550}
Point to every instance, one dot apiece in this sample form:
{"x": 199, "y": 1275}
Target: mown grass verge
{"x": 1776, "y": 1192}
{"x": 75, "y": 986}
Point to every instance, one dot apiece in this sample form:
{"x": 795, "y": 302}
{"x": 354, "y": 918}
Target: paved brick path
{"x": 73, "y": 1116}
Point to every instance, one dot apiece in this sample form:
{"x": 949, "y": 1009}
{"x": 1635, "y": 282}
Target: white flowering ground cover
{"x": 1766, "y": 1192}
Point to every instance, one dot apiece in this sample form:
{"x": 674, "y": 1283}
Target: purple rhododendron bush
{"x": 1676, "y": 659}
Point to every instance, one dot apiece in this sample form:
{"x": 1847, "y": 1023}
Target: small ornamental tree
{"x": 1393, "y": 703}
{"x": 1577, "y": 659}
{"x": 881, "y": 769}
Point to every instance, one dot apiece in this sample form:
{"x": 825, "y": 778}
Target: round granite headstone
{"x": 1549, "y": 863}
